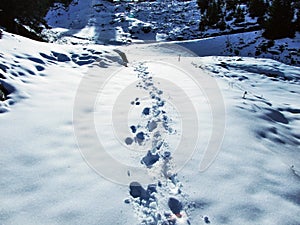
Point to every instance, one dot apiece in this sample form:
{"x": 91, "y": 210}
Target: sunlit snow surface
{"x": 102, "y": 22}
{"x": 45, "y": 180}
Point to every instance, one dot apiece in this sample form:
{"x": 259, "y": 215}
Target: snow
{"x": 122, "y": 22}
{"x": 44, "y": 180}
{"x": 101, "y": 22}
{"x": 191, "y": 132}
{"x": 48, "y": 178}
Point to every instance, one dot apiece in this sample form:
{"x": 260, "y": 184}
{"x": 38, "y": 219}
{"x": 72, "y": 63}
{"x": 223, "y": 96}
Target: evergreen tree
{"x": 203, "y": 23}
{"x": 221, "y": 24}
{"x": 257, "y": 8}
{"x": 239, "y": 15}
{"x": 29, "y": 12}
{"x": 279, "y": 24}
{"x": 298, "y": 21}
{"x": 203, "y": 5}
{"x": 231, "y": 4}
{"x": 214, "y": 13}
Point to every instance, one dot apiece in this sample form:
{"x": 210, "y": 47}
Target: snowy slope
{"x": 44, "y": 179}
{"x": 101, "y": 22}
{"x": 47, "y": 177}
{"x": 104, "y": 22}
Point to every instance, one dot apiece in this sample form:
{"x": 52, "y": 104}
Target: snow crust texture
{"x": 45, "y": 179}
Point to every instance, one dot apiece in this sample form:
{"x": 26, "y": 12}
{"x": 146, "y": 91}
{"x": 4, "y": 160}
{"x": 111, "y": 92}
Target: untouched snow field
{"x": 47, "y": 177}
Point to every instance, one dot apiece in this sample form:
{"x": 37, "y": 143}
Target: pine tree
{"x": 203, "y": 24}
{"x": 29, "y": 12}
{"x": 280, "y": 25}
{"x": 257, "y": 8}
{"x": 221, "y": 24}
{"x": 231, "y": 4}
{"x": 203, "y": 5}
{"x": 214, "y": 13}
{"x": 297, "y": 23}
{"x": 239, "y": 15}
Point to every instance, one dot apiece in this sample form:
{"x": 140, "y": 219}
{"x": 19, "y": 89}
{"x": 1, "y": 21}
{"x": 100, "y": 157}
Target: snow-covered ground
{"x": 101, "y": 22}
{"x": 50, "y": 168}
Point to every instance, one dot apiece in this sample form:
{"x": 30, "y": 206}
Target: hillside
{"x": 92, "y": 22}
{"x": 125, "y": 116}
{"x": 53, "y": 92}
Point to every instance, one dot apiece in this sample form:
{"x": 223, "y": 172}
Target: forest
{"x": 276, "y": 17}
{"x": 15, "y": 14}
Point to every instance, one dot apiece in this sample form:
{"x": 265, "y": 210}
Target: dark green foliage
{"x": 231, "y": 4}
{"x": 202, "y": 27}
{"x": 257, "y": 8}
{"x": 211, "y": 14}
{"x": 281, "y": 48}
{"x": 261, "y": 21}
{"x": 239, "y": 15}
{"x": 203, "y": 5}
{"x": 257, "y": 52}
{"x": 279, "y": 24}
{"x": 276, "y": 16}
{"x": 297, "y": 23}
{"x": 221, "y": 24}
{"x": 264, "y": 47}
{"x": 3, "y": 93}
{"x": 29, "y": 12}
{"x": 203, "y": 24}
{"x": 214, "y": 13}
{"x": 229, "y": 17}
{"x": 270, "y": 43}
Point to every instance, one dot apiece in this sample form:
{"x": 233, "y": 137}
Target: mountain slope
{"x": 102, "y": 22}
{"x": 46, "y": 178}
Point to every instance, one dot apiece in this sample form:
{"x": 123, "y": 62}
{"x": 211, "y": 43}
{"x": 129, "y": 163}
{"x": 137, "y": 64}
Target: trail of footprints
{"x": 162, "y": 202}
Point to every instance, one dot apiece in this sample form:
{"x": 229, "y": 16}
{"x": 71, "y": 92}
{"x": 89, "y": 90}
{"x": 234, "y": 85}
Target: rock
{"x": 128, "y": 141}
{"x": 150, "y": 159}
{"x": 140, "y": 137}
{"x": 151, "y": 188}
{"x": 133, "y": 129}
{"x": 2, "y": 94}
{"x": 5, "y": 90}
{"x": 167, "y": 155}
{"x": 146, "y": 111}
{"x": 175, "y": 205}
{"x": 151, "y": 126}
{"x": 137, "y": 191}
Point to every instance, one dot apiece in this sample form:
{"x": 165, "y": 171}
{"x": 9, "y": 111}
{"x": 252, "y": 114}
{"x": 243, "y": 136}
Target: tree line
{"x": 16, "y": 13}
{"x": 278, "y": 18}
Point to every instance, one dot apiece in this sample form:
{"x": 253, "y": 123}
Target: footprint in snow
{"x": 162, "y": 202}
